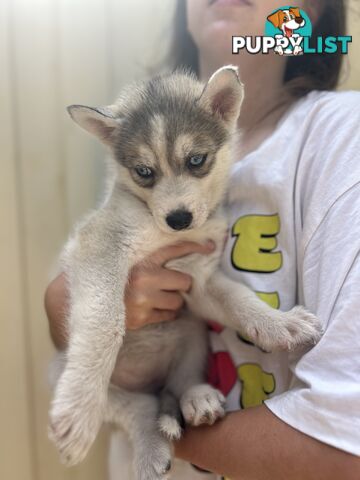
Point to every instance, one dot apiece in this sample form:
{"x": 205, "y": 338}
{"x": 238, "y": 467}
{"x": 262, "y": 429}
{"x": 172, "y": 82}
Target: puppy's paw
{"x": 170, "y": 427}
{"x": 153, "y": 458}
{"x": 202, "y": 404}
{"x": 287, "y": 330}
{"x": 304, "y": 327}
{"x": 75, "y": 420}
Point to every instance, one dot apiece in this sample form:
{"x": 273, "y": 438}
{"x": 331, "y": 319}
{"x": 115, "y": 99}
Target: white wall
{"x": 54, "y": 53}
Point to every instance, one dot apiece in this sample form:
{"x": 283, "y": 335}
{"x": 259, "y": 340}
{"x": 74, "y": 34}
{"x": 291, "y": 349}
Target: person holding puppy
{"x": 293, "y": 204}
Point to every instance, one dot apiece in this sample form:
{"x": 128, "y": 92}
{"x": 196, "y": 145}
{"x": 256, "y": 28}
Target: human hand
{"x": 153, "y": 294}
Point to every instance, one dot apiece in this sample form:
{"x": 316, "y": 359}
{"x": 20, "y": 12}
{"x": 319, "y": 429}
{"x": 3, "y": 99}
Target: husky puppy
{"x": 170, "y": 141}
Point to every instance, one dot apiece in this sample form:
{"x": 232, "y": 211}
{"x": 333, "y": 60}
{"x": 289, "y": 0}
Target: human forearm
{"x": 254, "y": 444}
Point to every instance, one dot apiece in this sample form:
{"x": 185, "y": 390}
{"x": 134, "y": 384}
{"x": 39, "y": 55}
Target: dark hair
{"x": 302, "y": 75}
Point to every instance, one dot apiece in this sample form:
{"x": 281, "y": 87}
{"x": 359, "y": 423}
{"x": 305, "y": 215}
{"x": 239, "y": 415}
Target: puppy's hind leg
{"x": 137, "y": 414}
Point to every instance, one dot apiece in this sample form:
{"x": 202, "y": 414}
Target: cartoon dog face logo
{"x": 287, "y": 20}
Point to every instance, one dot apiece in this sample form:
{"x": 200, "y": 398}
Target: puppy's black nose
{"x": 179, "y": 219}
{"x": 299, "y": 20}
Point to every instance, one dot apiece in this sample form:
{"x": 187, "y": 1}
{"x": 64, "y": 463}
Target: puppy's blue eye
{"x": 144, "y": 172}
{"x": 196, "y": 161}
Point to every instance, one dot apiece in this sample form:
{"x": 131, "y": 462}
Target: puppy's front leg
{"x": 199, "y": 402}
{"x": 96, "y": 322}
{"x": 236, "y": 306}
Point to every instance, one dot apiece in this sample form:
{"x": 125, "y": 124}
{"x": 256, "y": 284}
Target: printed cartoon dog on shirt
{"x": 288, "y": 21}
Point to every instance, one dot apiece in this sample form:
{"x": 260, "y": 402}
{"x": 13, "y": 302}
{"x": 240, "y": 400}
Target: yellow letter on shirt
{"x": 256, "y": 240}
{"x": 256, "y": 384}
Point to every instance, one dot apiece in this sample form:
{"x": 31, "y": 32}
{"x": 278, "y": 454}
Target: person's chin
{"x": 227, "y": 19}
{"x": 232, "y": 12}
{"x": 219, "y": 33}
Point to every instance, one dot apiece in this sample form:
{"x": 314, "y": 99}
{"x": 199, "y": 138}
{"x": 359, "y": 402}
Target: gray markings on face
{"x": 166, "y": 128}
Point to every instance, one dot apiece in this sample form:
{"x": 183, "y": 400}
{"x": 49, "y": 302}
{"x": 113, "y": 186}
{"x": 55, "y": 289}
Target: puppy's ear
{"x": 276, "y": 18}
{"x": 223, "y": 95}
{"x": 295, "y": 11}
{"x": 100, "y": 122}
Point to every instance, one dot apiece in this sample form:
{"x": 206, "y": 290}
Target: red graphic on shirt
{"x": 221, "y": 373}
{"x": 215, "y": 327}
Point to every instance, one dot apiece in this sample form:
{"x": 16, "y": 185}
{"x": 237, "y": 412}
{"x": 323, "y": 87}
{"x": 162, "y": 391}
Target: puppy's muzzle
{"x": 179, "y": 219}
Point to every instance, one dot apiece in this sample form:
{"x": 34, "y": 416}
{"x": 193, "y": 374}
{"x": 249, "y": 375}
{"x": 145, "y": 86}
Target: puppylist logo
{"x": 288, "y": 31}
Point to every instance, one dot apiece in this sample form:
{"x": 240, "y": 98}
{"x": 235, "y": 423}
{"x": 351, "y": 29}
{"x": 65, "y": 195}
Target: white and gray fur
{"x": 160, "y": 125}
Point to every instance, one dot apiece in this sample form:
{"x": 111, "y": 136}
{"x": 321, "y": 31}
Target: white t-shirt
{"x": 294, "y": 205}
